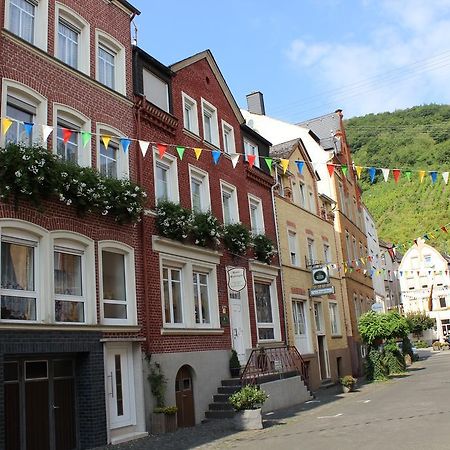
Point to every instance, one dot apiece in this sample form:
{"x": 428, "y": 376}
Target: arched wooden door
{"x": 184, "y": 393}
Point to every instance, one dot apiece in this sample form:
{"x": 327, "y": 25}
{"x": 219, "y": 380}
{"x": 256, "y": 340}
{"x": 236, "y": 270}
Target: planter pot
{"x": 235, "y": 372}
{"x": 163, "y": 423}
{"x": 346, "y": 389}
{"x": 249, "y": 419}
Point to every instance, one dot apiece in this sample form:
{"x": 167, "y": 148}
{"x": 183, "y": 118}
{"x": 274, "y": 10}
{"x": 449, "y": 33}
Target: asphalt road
{"x": 410, "y": 412}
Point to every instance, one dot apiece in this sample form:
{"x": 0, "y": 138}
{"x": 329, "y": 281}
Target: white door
{"x": 301, "y": 327}
{"x": 239, "y": 324}
{"x": 120, "y": 385}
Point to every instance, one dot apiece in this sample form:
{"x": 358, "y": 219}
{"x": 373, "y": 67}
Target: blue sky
{"x": 310, "y": 57}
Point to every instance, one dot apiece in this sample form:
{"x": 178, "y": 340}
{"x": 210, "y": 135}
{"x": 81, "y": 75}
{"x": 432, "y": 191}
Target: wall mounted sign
{"x": 323, "y": 290}
{"x": 236, "y": 279}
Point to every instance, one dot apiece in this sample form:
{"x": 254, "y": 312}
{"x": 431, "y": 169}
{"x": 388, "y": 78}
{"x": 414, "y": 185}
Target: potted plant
{"x": 235, "y": 365}
{"x": 347, "y": 383}
{"x": 164, "y": 418}
{"x": 247, "y": 402}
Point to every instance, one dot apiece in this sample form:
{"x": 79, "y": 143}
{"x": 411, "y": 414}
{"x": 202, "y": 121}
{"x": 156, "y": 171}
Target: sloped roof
{"x": 325, "y": 127}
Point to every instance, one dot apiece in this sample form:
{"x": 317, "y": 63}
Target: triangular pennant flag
{"x": 444, "y": 229}
{"x": 251, "y": 160}
{"x": 269, "y": 163}
{"x": 284, "y": 164}
{"x": 6, "y": 123}
{"x": 432, "y": 236}
{"x": 162, "y": 148}
{"x": 125, "y": 143}
{"x": 396, "y": 174}
{"x": 300, "y": 165}
{"x": 330, "y": 168}
{"x": 216, "y": 155}
{"x": 408, "y": 175}
{"x": 180, "y": 151}
{"x": 421, "y": 175}
{"x": 445, "y": 177}
{"x": 234, "y": 159}
{"x": 105, "y": 140}
{"x": 372, "y": 172}
{"x": 358, "y": 171}
{"x": 46, "y": 130}
{"x": 344, "y": 169}
{"x": 143, "y": 145}
{"x": 401, "y": 273}
{"x": 28, "y": 128}
{"x": 433, "y": 175}
{"x": 385, "y": 174}
{"x": 66, "y": 135}
{"x": 198, "y": 152}
{"x": 425, "y": 236}
{"x": 415, "y": 241}
{"x": 85, "y": 137}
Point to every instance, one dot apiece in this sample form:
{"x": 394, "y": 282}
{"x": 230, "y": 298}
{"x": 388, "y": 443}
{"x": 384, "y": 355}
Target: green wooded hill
{"x": 412, "y": 139}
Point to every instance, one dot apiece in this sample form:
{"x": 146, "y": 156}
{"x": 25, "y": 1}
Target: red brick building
{"x": 71, "y": 306}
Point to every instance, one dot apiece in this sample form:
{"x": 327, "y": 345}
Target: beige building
{"x": 315, "y": 324}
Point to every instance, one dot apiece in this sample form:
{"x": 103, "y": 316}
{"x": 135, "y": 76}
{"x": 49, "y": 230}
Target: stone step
{"x": 219, "y": 414}
{"x": 228, "y": 389}
{"x": 220, "y": 406}
{"x": 221, "y": 398}
{"x": 231, "y": 382}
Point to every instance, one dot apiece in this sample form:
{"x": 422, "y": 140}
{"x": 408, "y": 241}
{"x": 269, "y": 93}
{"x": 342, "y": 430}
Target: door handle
{"x": 55, "y": 407}
{"x": 110, "y": 376}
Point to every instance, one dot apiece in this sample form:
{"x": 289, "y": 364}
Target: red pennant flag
{"x": 396, "y": 174}
{"x": 415, "y": 241}
{"x": 330, "y": 168}
{"x": 161, "y": 149}
{"x": 66, "y": 135}
{"x": 444, "y": 229}
{"x": 251, "y": 160}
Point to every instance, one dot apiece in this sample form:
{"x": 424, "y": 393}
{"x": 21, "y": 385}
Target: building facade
{"x": 390, "y": 261}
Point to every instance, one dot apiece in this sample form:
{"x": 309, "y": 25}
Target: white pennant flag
{"x": 234, "y": 159}
{"x": 144, "y": 147}
{"x": 385, "y": 174}
{"x": 46, "y": 130}
{"x": 445, "y": 177}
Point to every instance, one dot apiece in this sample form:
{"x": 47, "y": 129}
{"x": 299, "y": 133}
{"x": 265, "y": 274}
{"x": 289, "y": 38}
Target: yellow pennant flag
{"x": 6, "y": 123}
{"x": 363, "y": 260}
{"x": 358, "y": 171}
{"x": 284, "y": 164}
{"x": 198, "y": 152}
{"x": 105, "y": 140}
{"x": 421, "y": 175}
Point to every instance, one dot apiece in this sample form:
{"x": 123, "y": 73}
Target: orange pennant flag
{"x": 105, "y": 140}
{"x": 162, "y": 149}
{"x": 358, "y": 171}
{"x": 284, "y": 164}
{"x": 251, "y": 160}
{"x": 198, "y": 152}
{"x": 6, "y": 123}
{"x": 421, "y": 175}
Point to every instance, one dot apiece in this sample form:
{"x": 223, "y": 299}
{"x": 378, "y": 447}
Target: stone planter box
{"x": 347, "y": 389}
{"x": 163, "y": 423}
{"x": 249, "y": 419}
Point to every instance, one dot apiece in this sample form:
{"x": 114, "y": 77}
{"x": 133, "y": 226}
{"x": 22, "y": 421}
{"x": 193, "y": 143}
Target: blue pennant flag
{"x": 28, "y": 128}
{"x": 216, "y": 156}
{"x": 372, "y": 172}
{"x": 300, "y": 165}
{"x": 125, "y": 143}
{"x": 433, "y": 175}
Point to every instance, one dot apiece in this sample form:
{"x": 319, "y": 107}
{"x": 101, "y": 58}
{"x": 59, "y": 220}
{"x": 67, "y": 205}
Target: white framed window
{"x": 117, "y": 283}
{"x": 256, "y": 214}
{"x": 110, "y": 62}
{"x": 201, "y": 297}
{"x": 72, "y": 43}
{"x": 302, "y": 194}
{"x": 156, "y": 90}
{"x": 229, "y": 203}
{"x": 357, "y": 306}
{"x": 312, "y": 201}
{"x": 265, "y": 314}
{"x": 200, "y": 194}
{"x": 293, "y": 248}
{"x": 301, "y": 325}
{"x": 355, "y": 248}
{"x": 334, "y": 319}
{"x": 229, "y": 144}
{"x": 326, "y": 253}
{"x": 311, "y": 250}
{"x": 250, "y": 148}
{"x": 172, "y": 294}
{"x": 428, "y": 261}
{"x": 361, "y": 250}
{"x": 299, "y": 315}
{"x": 23, "y": 105}
{"x": 342, "y": 199}
{"x": 210, "y": 123}
{"x": 348, "y": 246}
{"x": 165, "y": 173}
{"x": 112, "y": 161}
{"x": 73, "y": 150}
{"x": 190, "y": 114}
{"x": 318, "y": 317}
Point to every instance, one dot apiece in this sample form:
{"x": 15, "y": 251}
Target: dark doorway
{"x": 184, "y": 393}
{"x": 339, "y": 366}
{"x": 323, "y": 362}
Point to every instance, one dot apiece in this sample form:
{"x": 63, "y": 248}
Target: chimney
{"x": 255, "y": 103}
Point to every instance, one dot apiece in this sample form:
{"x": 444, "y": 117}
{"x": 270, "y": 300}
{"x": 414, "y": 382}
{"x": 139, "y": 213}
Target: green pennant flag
{"x": 85, "y": 137}
{"x": 408, "y": 174}
{"x": 180, "y": 151}
{"x": 344, "y": 169}
{"x": 269, "y": 163}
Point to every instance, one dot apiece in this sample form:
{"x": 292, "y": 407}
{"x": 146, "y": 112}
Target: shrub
{"x": 263, "y": 248}
{"x": 234, "y": 360}
{"x": 206, "y": 230}
{"x": 248, "y": 397}
{"x": 158, "y": 384}
{"x": 173, "y": 221}
{"x": 420, "y": 344}
{"x": 347, "y": 381}
{"x": 419, "y": 322}
{"x": 236, "y": 238}
{"x": 393, "y": 360}
{"x": 168, "y": 410}
{"x": 375, "y": 368}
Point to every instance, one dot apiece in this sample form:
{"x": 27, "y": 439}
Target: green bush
{"x": 420, "y": 344}
{"x": 158, "y": 385}
{"x": 234, "y": 360}
{"x": 347, "y": 381}
{"x": 173, "y": 221}
{"x": 263, "y": 248}
{"x": 168, "y": 410}
{"x": 393, "y": 360}
{"x": 236, "y": 238}
{"x": 248, "y": 397}
{"x": 375, "y": 368}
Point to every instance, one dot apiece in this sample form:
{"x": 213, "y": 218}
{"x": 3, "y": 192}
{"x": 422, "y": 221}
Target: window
{"x": 229, "y": 144}
{"x": 112, "y": 160}
{"x": 298, "y": 310}
{"x": 264, "y": 313}
{"x": 250, "y": 148}
{"x": 357, "y": 306}
{"x": 347, "y": 245}
{"x": 229, "y": 203}
{"x": 293, "y": 253}
{"x": 22, "y": 113}
{"x": 22, "y": 19}
{"x": 334, "y": 319}
{"x": 280, "y": 183}
{"x": 428, "y": 261}
{"x": 68, "y": 37}
{"x": 302, "y": 194}
{"x": 190, "y": 115}
{"x": 355, "y": 249}
{"x": 326, "y": 253}
{"x": 173, "y": 303}
{"x": 318, "y": 316}
{"x": 210, "y": 124}
{"x": 156, "y": 90}
{"x": 108, "y": 159}
{"x": 361, "y": 250}
{"x": 256, "y": 215}
{"x": 311, "y": 250}
{"x": 106, "y": 66}
{"x": 312, "y": 202}
{"x": 201, "y": 297}
{"x": 18, "y": 279}
{"x": 342, "y": 198}
{"x": 165, "y": 177}
{"x": 442, "y": 302}
{"x": 200, "y": 196}
{"x": 117, "y": 283}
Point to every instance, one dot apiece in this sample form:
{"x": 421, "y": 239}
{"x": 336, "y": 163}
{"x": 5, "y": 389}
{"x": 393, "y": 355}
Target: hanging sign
{"x": 236, "y": 279}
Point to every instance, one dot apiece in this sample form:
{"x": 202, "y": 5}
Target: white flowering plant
{"x": 206, "y": 230}
{"x": 35, "y": 174}
{"x": 236, "y": 238}
{"x": 173, "y": 221}
{"x": 263, "y": 248}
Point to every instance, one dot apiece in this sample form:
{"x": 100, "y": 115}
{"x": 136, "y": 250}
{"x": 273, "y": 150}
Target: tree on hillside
{"x": 419, "y": 322}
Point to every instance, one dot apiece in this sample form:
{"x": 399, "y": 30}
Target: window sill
{"x": 69, "y": 327}
{"x": 191, "y": 331}
{"x": 336, "y": 336}
{"x": 192, "y": 135}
